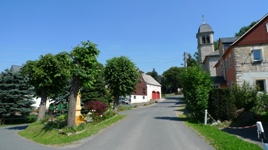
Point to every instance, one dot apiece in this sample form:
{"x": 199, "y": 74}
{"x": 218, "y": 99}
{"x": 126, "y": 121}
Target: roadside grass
{"x": 168, "y": 95}
{"x": 221, "y": 140}
{"x": 124, "y": 107}
{"x": 42, "y": 134}
{"x": 218, "y": 139}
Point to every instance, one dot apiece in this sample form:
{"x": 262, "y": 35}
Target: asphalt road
{"x": 155, "y": 127}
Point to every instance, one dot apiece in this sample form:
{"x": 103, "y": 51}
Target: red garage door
{"x": 153, "y": 95}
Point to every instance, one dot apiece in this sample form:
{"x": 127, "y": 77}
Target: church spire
{"x": 203, "y": 18}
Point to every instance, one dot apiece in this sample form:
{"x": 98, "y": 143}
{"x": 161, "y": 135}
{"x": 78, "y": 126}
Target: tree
{"x": 196, "y": 86}
{"x": 15, "y": 95}
{"x": 83, "y": 70}
{"x": 47, "y": 75}
{"x": 216, "y": 45}
{"x": 192, "y": 61}
{"x": 121, "y": 75}
{"x": 98, "y": 90}
{"x": 171, "y": 79}
{"x": 155, "y": 75}
{"x": 245, "y": 29}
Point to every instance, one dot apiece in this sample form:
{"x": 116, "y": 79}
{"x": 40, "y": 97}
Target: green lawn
{"x": 43, "y": 134}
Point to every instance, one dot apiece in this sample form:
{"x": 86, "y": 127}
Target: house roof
{"x": 238, "y": 39}
{"x": 218, "y": 79}
{"x": 150, "y": 80}
{"x": 15, "y": 68}
{"x": 228, "y": 39}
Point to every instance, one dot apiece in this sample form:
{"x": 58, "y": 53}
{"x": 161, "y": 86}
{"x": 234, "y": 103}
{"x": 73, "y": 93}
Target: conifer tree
{"x": 15, "y": 95}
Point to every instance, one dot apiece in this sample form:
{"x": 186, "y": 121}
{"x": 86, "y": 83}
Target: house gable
{"x": 141, "y": 88}
{"x": 258, "y": 34}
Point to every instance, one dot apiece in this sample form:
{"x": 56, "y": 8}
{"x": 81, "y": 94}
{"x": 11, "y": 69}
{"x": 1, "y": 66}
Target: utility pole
{"x": 185, "y": 59}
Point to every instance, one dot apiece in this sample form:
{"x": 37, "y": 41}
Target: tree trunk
{"x": 72, "y": 102}
{"x": 116, "y": 102}
{"x": 42, "y": 106}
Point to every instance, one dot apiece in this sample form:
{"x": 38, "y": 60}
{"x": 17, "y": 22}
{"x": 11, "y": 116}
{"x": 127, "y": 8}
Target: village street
{"x": 154, "y": 127}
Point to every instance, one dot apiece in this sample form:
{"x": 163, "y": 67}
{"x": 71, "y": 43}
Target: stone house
{"x": 245, "y": 58}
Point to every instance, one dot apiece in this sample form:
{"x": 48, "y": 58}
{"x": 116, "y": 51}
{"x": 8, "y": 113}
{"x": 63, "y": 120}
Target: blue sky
{"x": 152, "y": 33}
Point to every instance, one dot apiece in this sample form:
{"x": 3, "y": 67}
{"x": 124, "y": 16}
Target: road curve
{"x": 155, "y": 127}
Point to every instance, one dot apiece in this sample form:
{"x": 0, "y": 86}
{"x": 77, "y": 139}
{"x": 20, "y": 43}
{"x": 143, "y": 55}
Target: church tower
{"x": 205, "y": 42}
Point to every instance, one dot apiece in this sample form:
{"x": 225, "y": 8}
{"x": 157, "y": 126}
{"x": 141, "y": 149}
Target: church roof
{"x": 204, "y": 28}
{"x": 215, "y": 53}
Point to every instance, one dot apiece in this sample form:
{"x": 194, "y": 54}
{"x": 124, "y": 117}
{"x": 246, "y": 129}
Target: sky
{"x": 153, "y": 34}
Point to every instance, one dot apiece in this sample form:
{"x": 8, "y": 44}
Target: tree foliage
{"x": 121, "y": 75}
{"x": 47, "y": 75}
{"x": 98, "y": 91}
{"x": 83, "y": 68}
{"x": 15, "y": 95}
{"x": 171, "y": 79}
{"x": 245, "y": 29}
{"x": 155, "y": 75}
{"x": 196, "y": 86}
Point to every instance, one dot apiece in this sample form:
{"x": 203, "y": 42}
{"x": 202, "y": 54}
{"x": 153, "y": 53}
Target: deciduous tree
{"x": 196, "y": 86}
{"x": 83, "y": 71}
{"x": 171, "y": 78}
{"x": 121, "y": 75}
{"x": 48, "y": 76}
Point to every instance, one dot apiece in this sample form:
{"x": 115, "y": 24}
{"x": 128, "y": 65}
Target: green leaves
{"x": 121, "y": 75}
{"x": 196, "y": 86}
{"x": 84, "y": 62}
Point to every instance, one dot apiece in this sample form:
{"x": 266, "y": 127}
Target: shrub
{"x": 97, "y": 108}
{"x": 245, "y": 96}
{"x": 196, "y": 85}
{"x": 261, "y": 105}
{"x": 220, "y": 105}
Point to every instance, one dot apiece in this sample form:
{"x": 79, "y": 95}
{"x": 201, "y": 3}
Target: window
{"x": 230, "y": 60}
{"x": 134, "y": 97}
{"x": 267, "y": 27}
{"x": 207, "y": 39}
{"x": 257, "y": 55}
{"x": 261, "y": 85}
{"x": 203, "y": 39}
{"x": 143, "y": 97}
{"x": 225, "y": 64}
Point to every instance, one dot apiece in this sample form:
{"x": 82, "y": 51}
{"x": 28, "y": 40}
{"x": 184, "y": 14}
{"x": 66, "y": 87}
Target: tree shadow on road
{"x": 171, "y": 118}
{"x": 21, "y": 127}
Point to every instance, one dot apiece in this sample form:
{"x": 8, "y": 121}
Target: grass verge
{"x": 49, "y": 136}
{"x": 221, "y": 140}
{"x": 218, "y": 139}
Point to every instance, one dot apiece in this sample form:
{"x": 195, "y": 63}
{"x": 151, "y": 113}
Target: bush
{"x": 220, "y": 104}
{"x": 97, "y": 108}
{"x": 245, "y": 96}
{"x": 196, "y": 85}
{"x": 261, "y": 106}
